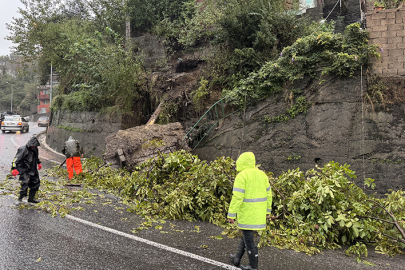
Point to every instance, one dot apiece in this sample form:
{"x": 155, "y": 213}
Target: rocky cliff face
{"x": 338, "y": 127}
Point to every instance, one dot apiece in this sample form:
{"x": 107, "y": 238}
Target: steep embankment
{"x": 336, "y": 127}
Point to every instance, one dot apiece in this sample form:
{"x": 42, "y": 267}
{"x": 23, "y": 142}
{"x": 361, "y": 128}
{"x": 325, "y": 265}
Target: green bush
{"x": 339, "y": 54}
{"x": 200, "y": 93}
{"x": 145, "y": 15}
{"x": 301, "y": 106}
{"x": 249, "y": 32}
{"x": 323, "y": 208}
{"x": 261, "y": 25}
{"x": 174, "y": 186}
{"x": 101, "y": 74}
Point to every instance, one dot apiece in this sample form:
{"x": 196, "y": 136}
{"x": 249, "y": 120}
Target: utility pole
{"x": 50, "y": 94}
{"x": 127, "y": 22}
{"x": 11, "y": 107}
{"x": 11, "y": 98}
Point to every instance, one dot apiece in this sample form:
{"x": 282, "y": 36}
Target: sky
{"x": 8, "y": 10}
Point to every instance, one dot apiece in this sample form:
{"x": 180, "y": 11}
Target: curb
{"x": 41, "y": 138}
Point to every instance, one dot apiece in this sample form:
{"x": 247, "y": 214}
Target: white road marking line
{"x": 145, "y": 241}
{"x": 42, "y": 157}
{"x": 12, "y": 140}
{"x": 151, "y": 243}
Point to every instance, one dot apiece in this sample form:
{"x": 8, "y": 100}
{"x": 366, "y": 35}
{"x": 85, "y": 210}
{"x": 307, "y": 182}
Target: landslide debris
{"x": 130, "y": 147}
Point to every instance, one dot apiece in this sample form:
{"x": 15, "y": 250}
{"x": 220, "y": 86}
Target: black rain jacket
{"x": 26, "y": 160}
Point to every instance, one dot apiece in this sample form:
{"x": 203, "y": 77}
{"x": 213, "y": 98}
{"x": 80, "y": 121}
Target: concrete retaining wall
{"x": 90, "y": 128}
{"x": 338, "y": 127}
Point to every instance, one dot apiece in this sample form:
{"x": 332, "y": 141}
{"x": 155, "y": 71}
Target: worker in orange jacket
{"x": 73, "y": 151}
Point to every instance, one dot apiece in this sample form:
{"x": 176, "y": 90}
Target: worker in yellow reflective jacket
{"x": 250, "y": 205}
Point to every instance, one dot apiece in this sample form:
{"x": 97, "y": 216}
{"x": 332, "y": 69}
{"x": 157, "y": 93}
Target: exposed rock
{"x": 337, "y": 127}
{"x": 127, "y": 148}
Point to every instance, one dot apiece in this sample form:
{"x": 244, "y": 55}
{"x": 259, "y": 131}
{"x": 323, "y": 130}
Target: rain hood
{"x": 33, "y": 142}
{"x": 245, "y": 161}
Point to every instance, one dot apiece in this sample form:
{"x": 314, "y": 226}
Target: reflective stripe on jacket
{"x": 252, "y": 198}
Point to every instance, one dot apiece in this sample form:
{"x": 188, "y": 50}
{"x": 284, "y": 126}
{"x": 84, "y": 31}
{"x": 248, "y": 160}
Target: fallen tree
{"x": 314, "y": 210}
{"x": 324, "y": 209}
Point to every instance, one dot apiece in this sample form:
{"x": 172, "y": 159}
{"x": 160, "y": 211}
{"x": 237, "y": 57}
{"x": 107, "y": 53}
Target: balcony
{"x": 40, "y": 97}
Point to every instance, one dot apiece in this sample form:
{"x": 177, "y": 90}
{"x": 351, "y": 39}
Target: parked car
{"x": 43, "y": 121}
{"x": 14, "y": 123}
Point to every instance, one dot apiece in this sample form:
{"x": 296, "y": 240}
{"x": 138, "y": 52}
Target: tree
{"x": 21, "y": 88}
{"x": 84, "y": 43}
{"x": 40, "y": 33}
{"x": 28, "y": 31}
{"x": 108, "y": 13}
{"x": 146, "y": 14}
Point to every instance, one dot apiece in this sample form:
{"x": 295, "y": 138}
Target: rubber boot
{"x": 253, "y": 260}
{"x": 31, "y": 196}
{"x": 235, "y": 258}
{"x": 21, "y": 197}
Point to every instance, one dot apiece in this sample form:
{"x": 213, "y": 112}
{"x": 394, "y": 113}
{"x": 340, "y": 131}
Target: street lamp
{"x": 11, "y": 96}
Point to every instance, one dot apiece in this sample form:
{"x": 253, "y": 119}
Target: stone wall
{"x": 338, "y": 127}
{"x": 90, "y": 128}
{"x": 386, "y": 29}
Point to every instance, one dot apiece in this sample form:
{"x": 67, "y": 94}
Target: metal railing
{"x": 211, "y": 116}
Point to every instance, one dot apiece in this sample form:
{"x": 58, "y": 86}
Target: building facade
{"x": 44, "y": 96}
{"x": 43, "y": 99}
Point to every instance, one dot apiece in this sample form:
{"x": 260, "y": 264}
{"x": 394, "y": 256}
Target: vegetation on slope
{"x": 322, "y": 52}
{"x": 257, "y": 47}
{"x": 85, "y": 44}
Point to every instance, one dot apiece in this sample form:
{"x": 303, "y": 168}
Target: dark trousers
{"x": 29, "y": 181}
{"x": 247, "y": 240}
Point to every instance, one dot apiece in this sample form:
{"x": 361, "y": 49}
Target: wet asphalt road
{"x": 9, "y": 143}
{"x": 100, "y": 237}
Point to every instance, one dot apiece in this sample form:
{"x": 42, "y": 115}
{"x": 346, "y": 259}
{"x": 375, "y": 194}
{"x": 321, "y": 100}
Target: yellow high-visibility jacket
{"x": 251, "y": 199}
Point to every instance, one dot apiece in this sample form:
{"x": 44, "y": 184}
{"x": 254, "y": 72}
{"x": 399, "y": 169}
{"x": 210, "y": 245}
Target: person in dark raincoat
{"x": 26, "y": 163}
{"x": 250, "y": 206}
{"x": 73, "y": 151}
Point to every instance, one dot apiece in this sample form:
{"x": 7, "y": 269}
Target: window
{"x": 12, "y": 118}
